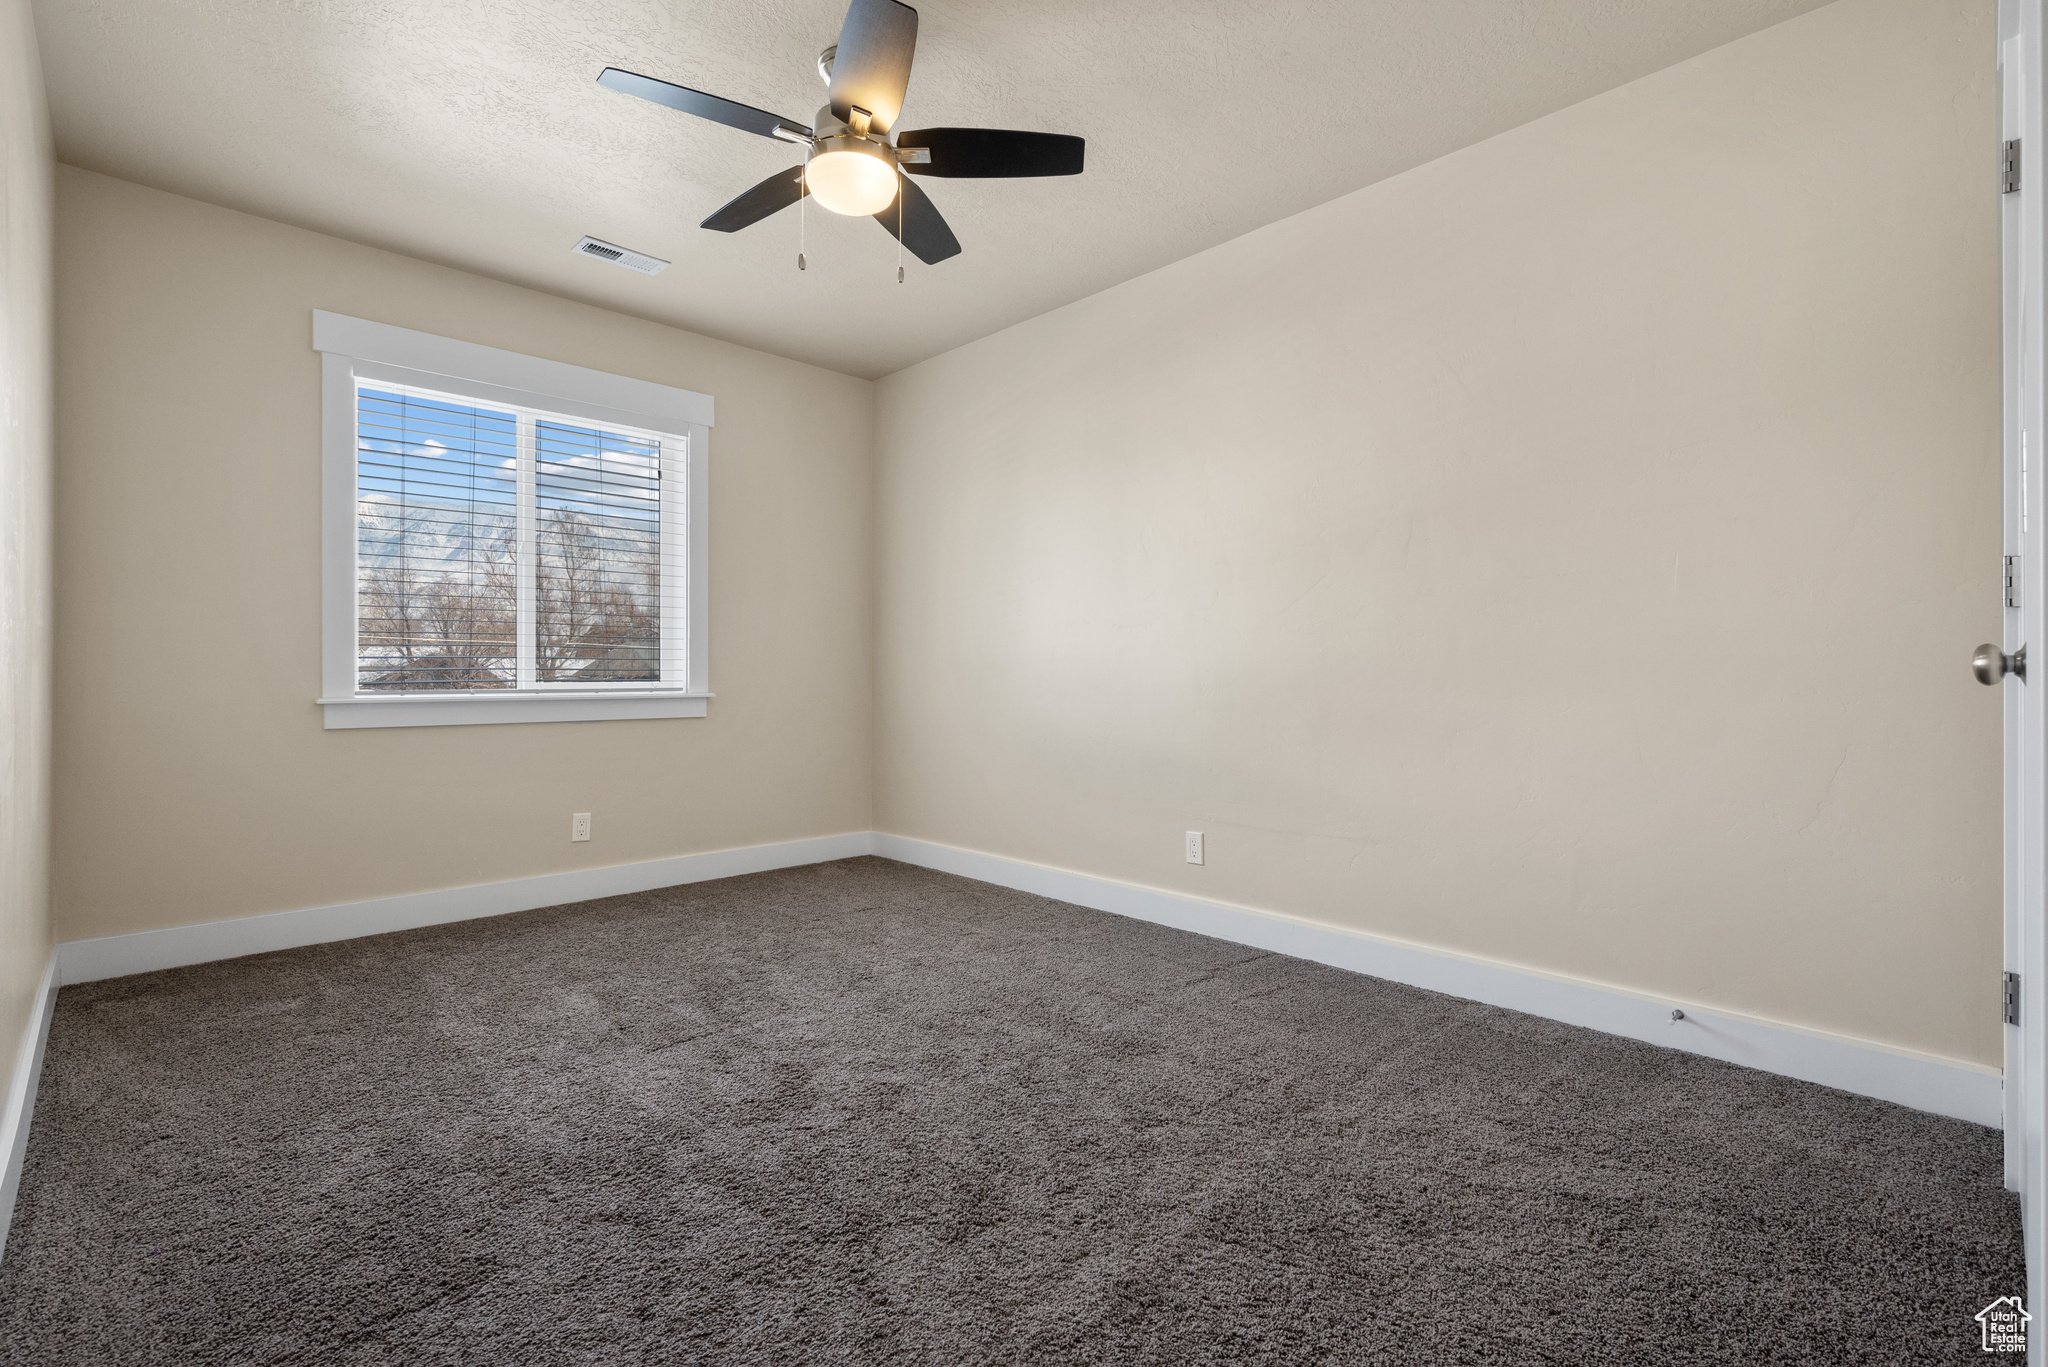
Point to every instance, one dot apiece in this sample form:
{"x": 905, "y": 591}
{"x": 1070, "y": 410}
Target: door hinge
{"x": 2012, "y": 581}
{"x": 2010, "y": 180}
{"x": 2012, "y": 999}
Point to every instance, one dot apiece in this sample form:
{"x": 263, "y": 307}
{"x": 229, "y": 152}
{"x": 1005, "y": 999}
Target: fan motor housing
{"x": 826, "y": 124}
{"x": 847, "y": 142}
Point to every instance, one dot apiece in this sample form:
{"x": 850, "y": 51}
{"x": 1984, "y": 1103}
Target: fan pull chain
{"x": 803, "y": 218}
{"x": 900, "y": 183}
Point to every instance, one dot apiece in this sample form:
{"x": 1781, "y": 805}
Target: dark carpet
{"x": 866, "y": 1113}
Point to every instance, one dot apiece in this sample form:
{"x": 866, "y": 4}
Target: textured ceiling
{"x": 472, "y": 132}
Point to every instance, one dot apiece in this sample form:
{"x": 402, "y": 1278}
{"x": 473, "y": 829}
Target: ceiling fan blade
{"x": 924, "y": 227}
{"x": 993, "y": 152}
{"x": 778, "y": 192}
{"x": 871, "y": 70}
{"x": 729, "y": 112}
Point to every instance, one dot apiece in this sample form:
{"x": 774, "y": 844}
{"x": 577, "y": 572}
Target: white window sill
{"x": 485, "y": 709}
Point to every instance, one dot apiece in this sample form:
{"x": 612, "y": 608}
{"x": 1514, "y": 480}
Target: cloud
{"x": 630, "y": 464}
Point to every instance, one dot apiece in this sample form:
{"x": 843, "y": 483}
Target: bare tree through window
{"x": 437, "y": 518}
{"x": 439, "y": 576}
{"x": 597, "y": 596}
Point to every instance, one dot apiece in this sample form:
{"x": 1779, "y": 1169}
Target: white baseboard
{"x": 145, "y": 951}
{"x": 20, "y": 1105}
{"x": 1924, "y": 1082}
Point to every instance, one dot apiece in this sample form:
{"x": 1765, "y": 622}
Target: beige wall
{"x": 194, "y": 780}
{"x": 1567, "y": 553}
{"x": 25, "y": 208}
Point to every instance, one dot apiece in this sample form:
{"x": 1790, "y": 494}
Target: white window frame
{"x": 354, "y": 350}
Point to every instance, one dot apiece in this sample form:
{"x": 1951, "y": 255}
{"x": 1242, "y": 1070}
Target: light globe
{"x": 851, "y": 182}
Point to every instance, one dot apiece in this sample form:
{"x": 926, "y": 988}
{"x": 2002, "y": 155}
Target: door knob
{"x": 1993, "y": 664}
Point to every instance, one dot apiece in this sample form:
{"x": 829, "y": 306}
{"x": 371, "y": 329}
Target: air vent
{"x": 620, "y": 256}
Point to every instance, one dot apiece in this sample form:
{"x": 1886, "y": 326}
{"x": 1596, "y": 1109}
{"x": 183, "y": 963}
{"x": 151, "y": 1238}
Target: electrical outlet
{"x": 579, "y": 826}
{"x": 1194, "y": 847}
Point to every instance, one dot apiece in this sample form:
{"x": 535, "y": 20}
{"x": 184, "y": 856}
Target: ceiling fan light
{"x": 848, "y": 181}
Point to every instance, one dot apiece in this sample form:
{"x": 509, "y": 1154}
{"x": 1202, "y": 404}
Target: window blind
{"x": 436, "y": 543}
{"x": 502, "y": 548}
{"x": 597, "y": 602}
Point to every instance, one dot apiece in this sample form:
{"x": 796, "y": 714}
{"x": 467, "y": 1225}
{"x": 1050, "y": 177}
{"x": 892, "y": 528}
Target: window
{"x": 503, "y": 548}
{"x": 506, "y": 538}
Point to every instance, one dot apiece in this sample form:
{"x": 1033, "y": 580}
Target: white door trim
{"x": 2012, "y": 628}
{"x": 2023, "y": 270}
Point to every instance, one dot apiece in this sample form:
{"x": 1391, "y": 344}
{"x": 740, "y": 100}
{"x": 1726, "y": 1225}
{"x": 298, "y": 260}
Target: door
{"x": 2026, "y": 718}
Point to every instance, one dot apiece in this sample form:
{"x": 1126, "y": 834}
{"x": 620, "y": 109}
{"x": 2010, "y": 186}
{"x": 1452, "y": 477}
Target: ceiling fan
{"x": 852, "y": 164}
